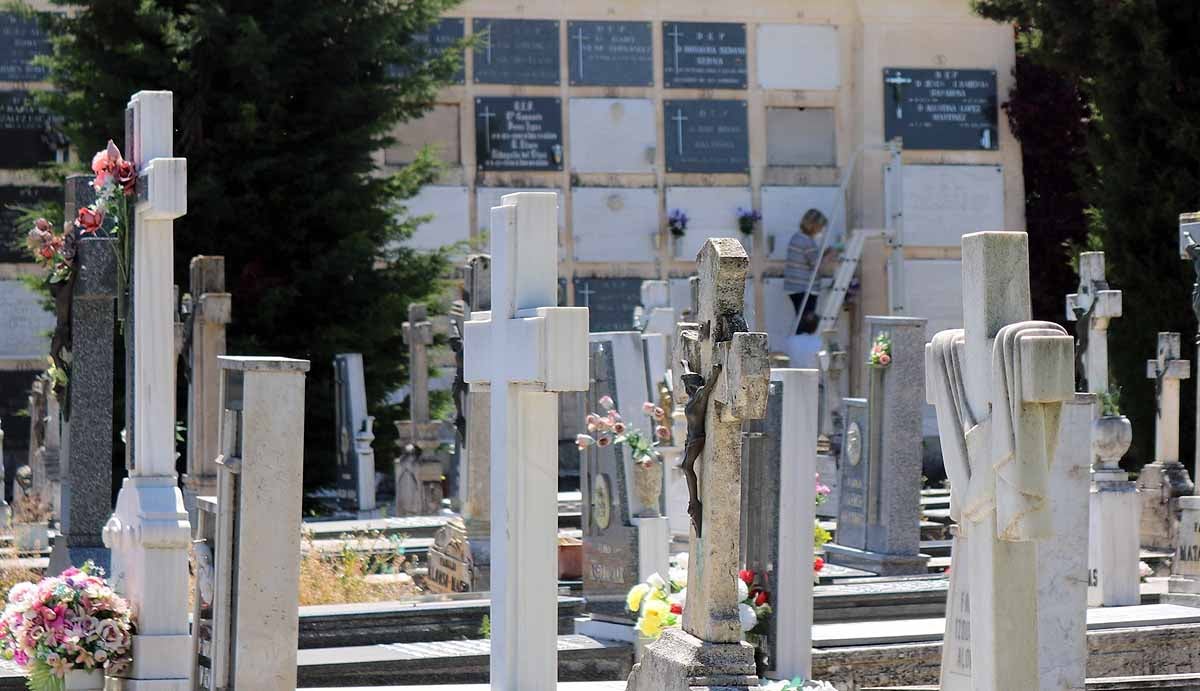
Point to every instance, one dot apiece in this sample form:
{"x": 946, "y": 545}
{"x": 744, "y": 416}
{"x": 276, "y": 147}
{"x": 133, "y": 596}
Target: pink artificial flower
{"x": 614, "y": 417}
{"x": 885, "y": 359}
{"x": 592, "y": 418}
{"x": 603, "y": 441}
{"x": 90, "y": 220}
{"x": 619, "y": 428}
{"x": 583, "y": 441}
{"x": 662, "y": 432}
{"x": 606, "y": 402}
{"x": 648, "y": 408}
{"x": 659, "y": 413}
{"x": 126, "y": 176}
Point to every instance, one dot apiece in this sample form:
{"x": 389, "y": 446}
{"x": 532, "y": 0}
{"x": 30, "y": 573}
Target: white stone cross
{"x": 418, "y": 334}
{"x": 149, "y": 532}
{"x": 1096, "y": 304}
{"x": 998, "y": 386}
{"x": 1167, "y": 369}
{"x": 525, "y": 349}
{"x": 736, "y": 373}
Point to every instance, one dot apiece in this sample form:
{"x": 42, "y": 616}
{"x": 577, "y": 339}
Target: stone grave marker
{"x": 999, "y": 386}
{"x": 148, "y": 533}
{"x": 26, "y": 137}
{"x": 727, "y": 384}
{"x": 21, "y": 40}
{"x": 450, "y": 561}
{"x": 355, "y": 472}
{"x": 517, "y": 51}
{"x": 1189, "y": 233}
{"x": 209, "y": 312}
{"x": 1115, "y": 512}
{"x": 46, "y": 458}
{"x": 605, "y": 53}
{"x": 779, "y": 517}
{"x": 614, "y": 135}
{"x": 248, "y": 549}
{"x": 612, "y": 224}
{"x": 884, "y": 514}
{"x": 704, "y": 55}
{"x": 707, "y": 136}
{"x": 523, "y": 351}
{"x": 1184, "y": 585}
{"x": 88, "y": 429}
{"x": 1162, "y": 482}
{"x": 420, "y": 464}
{"x": 831, "y": 362}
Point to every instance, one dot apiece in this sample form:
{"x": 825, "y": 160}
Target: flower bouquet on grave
{"x": 610, "y": 428}
{"x": 797, "y": 684}
{"x": 115, "y": 183}
{"x": 747, "y": 219}
{"x": 69, "y": 623}
{"x": 881, "y": 351}
{"x": 677, "y": 222}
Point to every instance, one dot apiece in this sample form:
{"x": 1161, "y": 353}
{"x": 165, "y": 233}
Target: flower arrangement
{"x": 747, "y": 219}
{"x": 798, "y": 684}
{"x": 881, "y": 351}
{"x": 55, "y": 252}
{"x": 610, "y": 428}
{"x": 73, "y": 621}
{"x": 677, "y": 222}
{"x": 659, "y": 603}
{"x": 115, "y": 182}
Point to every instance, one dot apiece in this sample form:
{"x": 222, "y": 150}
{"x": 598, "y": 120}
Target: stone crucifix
{"x": 523, "y": 351}
{"x": 1092, "y": 306}
{"x": 418, "y": 335}
{"x": 998, "y": 386}
{"x": 1166, "y": 479}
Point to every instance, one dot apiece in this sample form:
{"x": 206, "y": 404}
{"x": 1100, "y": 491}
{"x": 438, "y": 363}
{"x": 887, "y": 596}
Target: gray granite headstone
{"x": 351, "y": 407}
{"x": 87, "y": 432}
{"x": 854, "y": 474}
{"x": 762, "y": 463}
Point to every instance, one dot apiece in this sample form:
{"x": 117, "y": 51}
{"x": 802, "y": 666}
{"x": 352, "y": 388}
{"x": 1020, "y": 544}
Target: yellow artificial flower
{"x": 650, "y": 627}
{"x": 633, "y": 601}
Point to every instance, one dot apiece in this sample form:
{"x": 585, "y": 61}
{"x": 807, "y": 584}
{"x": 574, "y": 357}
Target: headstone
{"x": 355, "y": 478}
{"x": 733, "y": 372}
{"x": 88, "y": 430}
{"x": 704, "y": 55}
{"x": 46, "y": 458}
{"x": 477, "y": 470}
{"x": 420, "y": 463}
{"x": 148, "y": 533}
{"x": 21, "y": 40}
{"x": 613, "y": 135}
{"x": 779, "y": 518}
{"x": 1164, "y": 481}
{"x": 1184, "y": 585}
{"x": 625, "y": 540}
{"x": 798, "y": 56}
{"x": 831, "y": 362}
{"x": 999, "y": 387}
{"x": 941, "y": 109}
{"x": 884, "y": 514}
{"x": 517, "y": 51}
{"x": 450, "y": 561}
{"x": 26, "y": 137}
{"x": 518, "y": 134}
{"x": 610, "y": 301}
{"x": 248, "y": 552}
{"x": 211, "y": 311}
{"x": 1115, "y": 510}
{"x": 524, "y": 351}
{"x": 604, "y": 53}
{"x": 706, "y": 136}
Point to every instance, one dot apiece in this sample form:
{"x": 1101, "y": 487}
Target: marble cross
{"x": 1167, "y": 369}
{"x": 736, "y": 372}
{"x": 212, "y": 309}
{"x": 149, "y": 533}
{"x": 525, "y": 350}
{"x": 998, "y": 386}
{"x": 1092, "y": 306}
{"x": 418, "y": 335}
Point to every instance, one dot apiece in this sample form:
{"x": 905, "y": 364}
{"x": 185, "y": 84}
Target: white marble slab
{"x": 944, "y": 202}
{"x": 612, "y": 135}
{"x": 798, "y": 56}
{"x": 801, "y": 137}
{"x": 614, "y": 224}
{"x": 451, "y": 217}
{"x": 712, "y": 213}
{"x": 24, "y": 325}
{"x": 783, "y": 207}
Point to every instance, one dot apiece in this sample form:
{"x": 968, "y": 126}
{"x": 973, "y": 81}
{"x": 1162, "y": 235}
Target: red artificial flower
{"x": 676, "y": 608}
{"x": 818, "y": 564}
{"x": 761, "y": 599}
{"x": 126, "y": 176}
{"x": 746, "y": 575}
{"x": 90, "y": 220}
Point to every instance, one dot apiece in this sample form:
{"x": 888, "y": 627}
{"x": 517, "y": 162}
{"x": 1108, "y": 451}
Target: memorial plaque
{"x": 12, "y": 237}
{"x": 704, "y": 55}
{"x": 706, "y": 136}
{"x": 610, "y": 302}
{"x": 854, "y": 476}
{"x": 517, "y": 51}
{"x": 442, "y": 37}
{"x": 610, "y": 53}
{"x": 25, "y": 137}
{"x": 21, "y": 40}
{"x": 450, "y": 560}
{"x": 941, "y": 109}
{"x": 515, "y": 134}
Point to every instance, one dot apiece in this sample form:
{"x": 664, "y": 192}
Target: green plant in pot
{"x": 1111, "y": 433}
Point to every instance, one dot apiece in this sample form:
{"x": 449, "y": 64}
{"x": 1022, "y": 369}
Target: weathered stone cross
{"x": 418, "y": 334}
{"x": 525, "y": 349}
{"x": 148, "y": 533}
{"x": 998, "y": 386}
{"x": 1167, "y": 369}
{"x": 1092, "y": 306}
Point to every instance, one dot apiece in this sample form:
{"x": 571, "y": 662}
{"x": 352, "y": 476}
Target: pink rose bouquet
{"x": 881, "y": 351}
{"x": 73, "y": 621}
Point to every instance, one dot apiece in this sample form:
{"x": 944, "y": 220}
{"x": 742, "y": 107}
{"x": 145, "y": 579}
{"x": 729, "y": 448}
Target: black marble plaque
{"x": 610, "y": 302}
{"x": 941, "y": 109}
{"x": 854, "y": 476}
{"x": 439, "y": 38}
{"x": 518, "y": 133}
{"x": 610, "y": 53}
{"x": 21, "y": 40}
{"x": 25, "y": 137}
{"x": 517, "y": 51}
{"x": 12, "y": 237}
{"x": 706, "y": 136}
{"x": 704, "y": 55}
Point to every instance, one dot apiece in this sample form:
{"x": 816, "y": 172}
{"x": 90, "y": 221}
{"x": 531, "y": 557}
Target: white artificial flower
{"x": 681, "y": 560}
{"x": 679, "y": 598}
{"x": 774, "y": 686}
{"x": 743, "y": 590}
{"x": 678, "y": 577}
{"x": 747, "y": 616}
{"x": 656, "y": 582}
{"x": 819, "y": 686}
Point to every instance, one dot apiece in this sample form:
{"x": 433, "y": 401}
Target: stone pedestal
{"x": 1184, "y": 585}
{"x": 1161, "y": 485}
{"x": 1113, "y": 519}
{"x": 678, "y": 661}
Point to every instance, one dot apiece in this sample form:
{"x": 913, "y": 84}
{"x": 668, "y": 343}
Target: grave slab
{"x": 944, "y": 202}
{"x": 712, "y": 213}
{"x": 798, "y": 56}
{"x": 612, "y": 135}
{"x": 450, "y": 223}
{"x": 614, "y": 224}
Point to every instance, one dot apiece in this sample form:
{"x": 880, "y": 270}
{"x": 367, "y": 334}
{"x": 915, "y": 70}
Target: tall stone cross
{"x": 1091, "y": 307}
{"x": 211, "y": 312}
{"x": 998, "y": 386}
{"x": 524, "y": 351}
{"x": 1167, "y": 369}
{"x": 148, "y": 533}
{"x": 418, "y": 335}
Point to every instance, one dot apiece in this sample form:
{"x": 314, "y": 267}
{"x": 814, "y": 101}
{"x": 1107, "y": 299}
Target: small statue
{"x": 1193, "y": 252}
{"x": 458, "y": 390}
{"x": 698, "y": 391}
{"x": 1083, "y": 321}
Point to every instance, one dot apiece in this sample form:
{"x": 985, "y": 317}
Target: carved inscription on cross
{"x": 1091, "y": 307}
{"x": 727, "y": 384}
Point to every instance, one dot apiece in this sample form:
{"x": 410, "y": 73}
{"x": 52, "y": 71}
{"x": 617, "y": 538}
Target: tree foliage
{"x": 1134, "y": 62}
{"x": 279, "y": 107}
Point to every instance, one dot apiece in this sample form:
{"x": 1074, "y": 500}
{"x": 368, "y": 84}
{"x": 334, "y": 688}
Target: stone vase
{"x": 31, "y": 537}
{"x": 1111, "y": 437}
{"x": 647, "y": 484}
{"x": 81, "y": 680}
